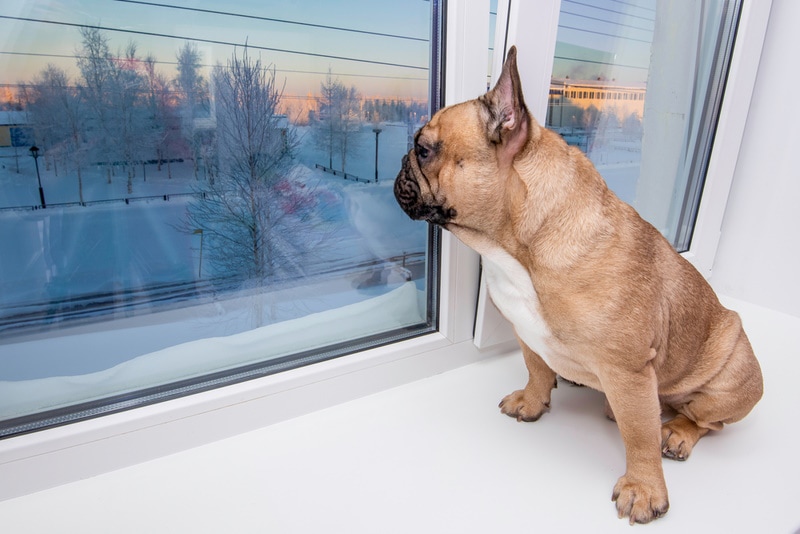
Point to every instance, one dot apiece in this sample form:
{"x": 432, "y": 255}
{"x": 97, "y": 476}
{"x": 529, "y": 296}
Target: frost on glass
{"x": 201, "y": 173}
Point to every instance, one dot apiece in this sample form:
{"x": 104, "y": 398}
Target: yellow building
{"x": 570, "y": 99}
{"x": 12, "y": 128}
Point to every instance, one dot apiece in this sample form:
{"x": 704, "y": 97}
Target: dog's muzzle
{"x": 410, "y": 197}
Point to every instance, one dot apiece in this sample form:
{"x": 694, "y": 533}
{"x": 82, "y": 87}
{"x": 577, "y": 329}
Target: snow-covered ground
{"x": 202, "y": 352}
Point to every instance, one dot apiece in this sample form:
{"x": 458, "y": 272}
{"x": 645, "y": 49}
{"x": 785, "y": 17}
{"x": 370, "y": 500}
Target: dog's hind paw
{"x": 523, "y": 407}
{"x": 679, "y": 436}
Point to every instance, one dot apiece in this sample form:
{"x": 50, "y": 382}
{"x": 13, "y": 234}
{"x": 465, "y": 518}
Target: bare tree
{"x": 96, "y": 66}
{"x": 160, "y": 114}
{"x": 350, "y": 122}
{"x": 251, "y": 214}
{"x": 326, "y": 125}
{"x": 337, "y": 127}
{"x": 193, "y": 98}
{"x": 128, "y": 111}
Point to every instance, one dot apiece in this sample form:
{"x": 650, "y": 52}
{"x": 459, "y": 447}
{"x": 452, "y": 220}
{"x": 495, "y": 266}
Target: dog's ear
{"x": 508, "y": 121}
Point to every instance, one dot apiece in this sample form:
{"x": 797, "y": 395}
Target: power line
{"x": 634, "y": 5}
{"x": 173, "y": 63}
{"x": 270, "y": 19}
{"x": 607, "y": 10}
{"x": 606, "y": 21}
{"x": 602, "y": 63}
{"x": 603, "y": 33}
{"x": 214, "y": 41}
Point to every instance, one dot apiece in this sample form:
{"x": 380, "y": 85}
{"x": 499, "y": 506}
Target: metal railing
{"x": 126, "y": 200}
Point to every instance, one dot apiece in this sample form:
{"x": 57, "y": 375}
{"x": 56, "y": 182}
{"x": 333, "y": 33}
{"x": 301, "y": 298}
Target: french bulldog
{"x": 595, "y": 293}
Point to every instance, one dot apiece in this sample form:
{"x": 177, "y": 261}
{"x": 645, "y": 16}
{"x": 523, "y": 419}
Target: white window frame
{"x": 51, "y": 457}
{"x": 533, "y": 27}
{"x": 79, "y": 450}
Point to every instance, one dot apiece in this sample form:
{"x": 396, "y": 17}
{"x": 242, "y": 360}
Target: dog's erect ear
{"x": 508, "y": 123}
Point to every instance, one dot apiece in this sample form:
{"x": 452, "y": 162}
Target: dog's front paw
{"x": 640, "y": 501}
{"x": 523, "y": 406}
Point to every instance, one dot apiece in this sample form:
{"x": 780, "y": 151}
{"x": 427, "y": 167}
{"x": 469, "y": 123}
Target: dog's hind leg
{"x": 726, "y": 398}
{"x": 678, "y": 436}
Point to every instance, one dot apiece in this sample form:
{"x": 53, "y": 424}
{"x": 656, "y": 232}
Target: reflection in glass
{"x": 636, "y": 85}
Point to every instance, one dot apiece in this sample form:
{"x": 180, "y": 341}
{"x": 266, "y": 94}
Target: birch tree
{"x": 326, "y": 125}
{"x": 193, "y": 101}
{"x": 96, "y": 66}
{"x": 253, "y": 215}
{"x": 129, "y": 122}
{"x": 337, "y": 129}
{"x": 160, "y": 114}
{"x": 350, "y": 122}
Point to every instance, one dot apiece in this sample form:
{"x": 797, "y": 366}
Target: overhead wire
{"x": 173, "y": 63}
{"x": 607, "y": 10}
{"x": 598, "y": 19}
{"x": 219, "y": 42}
{"x": 584, "y": 30}
{"x": 272, "y": 19}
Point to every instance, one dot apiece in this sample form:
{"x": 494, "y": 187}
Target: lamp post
{"x": 35, "y": 154}
{"x": 199, "y": 231}
{"x": 377, "y": 133}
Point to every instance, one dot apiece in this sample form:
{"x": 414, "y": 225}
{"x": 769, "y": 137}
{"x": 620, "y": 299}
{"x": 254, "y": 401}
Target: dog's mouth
{"x": 409, "y": 195}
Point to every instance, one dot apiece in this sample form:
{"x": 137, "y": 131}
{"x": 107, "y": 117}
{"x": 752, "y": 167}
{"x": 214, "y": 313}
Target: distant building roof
{"x": 9, "y": 118}
{"x": 605, "y": 84}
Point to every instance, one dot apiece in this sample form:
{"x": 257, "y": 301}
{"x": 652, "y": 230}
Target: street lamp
{"x": 199, "y": 231}
{"x": 35, "y": 154}
{"x": 377, "y": 132}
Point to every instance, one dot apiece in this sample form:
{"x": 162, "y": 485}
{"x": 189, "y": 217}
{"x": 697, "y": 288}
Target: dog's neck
{"x": 550, "y": 225}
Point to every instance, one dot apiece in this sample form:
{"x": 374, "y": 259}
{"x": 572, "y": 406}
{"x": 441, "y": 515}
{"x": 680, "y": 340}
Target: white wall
{"x": 758, "y": 259}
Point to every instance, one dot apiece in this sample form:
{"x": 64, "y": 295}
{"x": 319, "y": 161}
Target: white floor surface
{"x": 436, "y": 456}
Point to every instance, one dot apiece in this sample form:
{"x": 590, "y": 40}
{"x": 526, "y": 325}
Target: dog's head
{"x": 458, "y": 171}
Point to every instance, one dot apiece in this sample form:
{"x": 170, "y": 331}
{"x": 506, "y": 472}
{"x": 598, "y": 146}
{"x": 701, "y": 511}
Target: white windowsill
{"x": 435, "y": 455}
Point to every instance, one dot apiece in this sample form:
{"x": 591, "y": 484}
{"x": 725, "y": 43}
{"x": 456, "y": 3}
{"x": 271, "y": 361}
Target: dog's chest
{"x": 513, "y": 293}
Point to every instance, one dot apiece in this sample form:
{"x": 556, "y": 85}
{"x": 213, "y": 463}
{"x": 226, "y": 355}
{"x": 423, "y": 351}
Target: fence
{"x": 345, "y": 175}
{"x": 126, "y": 200}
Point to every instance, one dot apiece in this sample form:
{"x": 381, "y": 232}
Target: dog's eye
{"x": 422, "y": 152}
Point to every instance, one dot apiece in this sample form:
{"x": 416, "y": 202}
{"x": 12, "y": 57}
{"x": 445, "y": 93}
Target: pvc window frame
{"x": 52, "y": 457}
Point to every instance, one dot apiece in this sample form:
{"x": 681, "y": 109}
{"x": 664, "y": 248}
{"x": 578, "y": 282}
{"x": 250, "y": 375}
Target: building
{"x": 14, "y": 129}
{"x": 569, "y": 99}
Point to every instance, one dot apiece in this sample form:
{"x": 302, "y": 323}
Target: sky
{"x": 390, "y": 61}
{"x": 379, "y": 46}
{"x": 612, "y": 37}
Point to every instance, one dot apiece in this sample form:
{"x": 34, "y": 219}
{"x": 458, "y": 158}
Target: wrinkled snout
{"x": 406, "y": 189}
{"x": 409, "y": 195}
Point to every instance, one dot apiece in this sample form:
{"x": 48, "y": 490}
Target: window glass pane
{"x": 197, "y": 194}
{"x": 492, "y": 30}
{"x": 637, "y": 86}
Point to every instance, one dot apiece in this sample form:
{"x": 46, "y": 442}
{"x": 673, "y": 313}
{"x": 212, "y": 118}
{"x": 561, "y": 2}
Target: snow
{"x": 399, "y": 308}
{"x": 119, "y": 248}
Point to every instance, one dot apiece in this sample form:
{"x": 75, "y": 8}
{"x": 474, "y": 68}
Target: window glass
{"x": 492, "y": 30}
{"x": 637, "y": 86}
{"x": 197, "y": 194}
